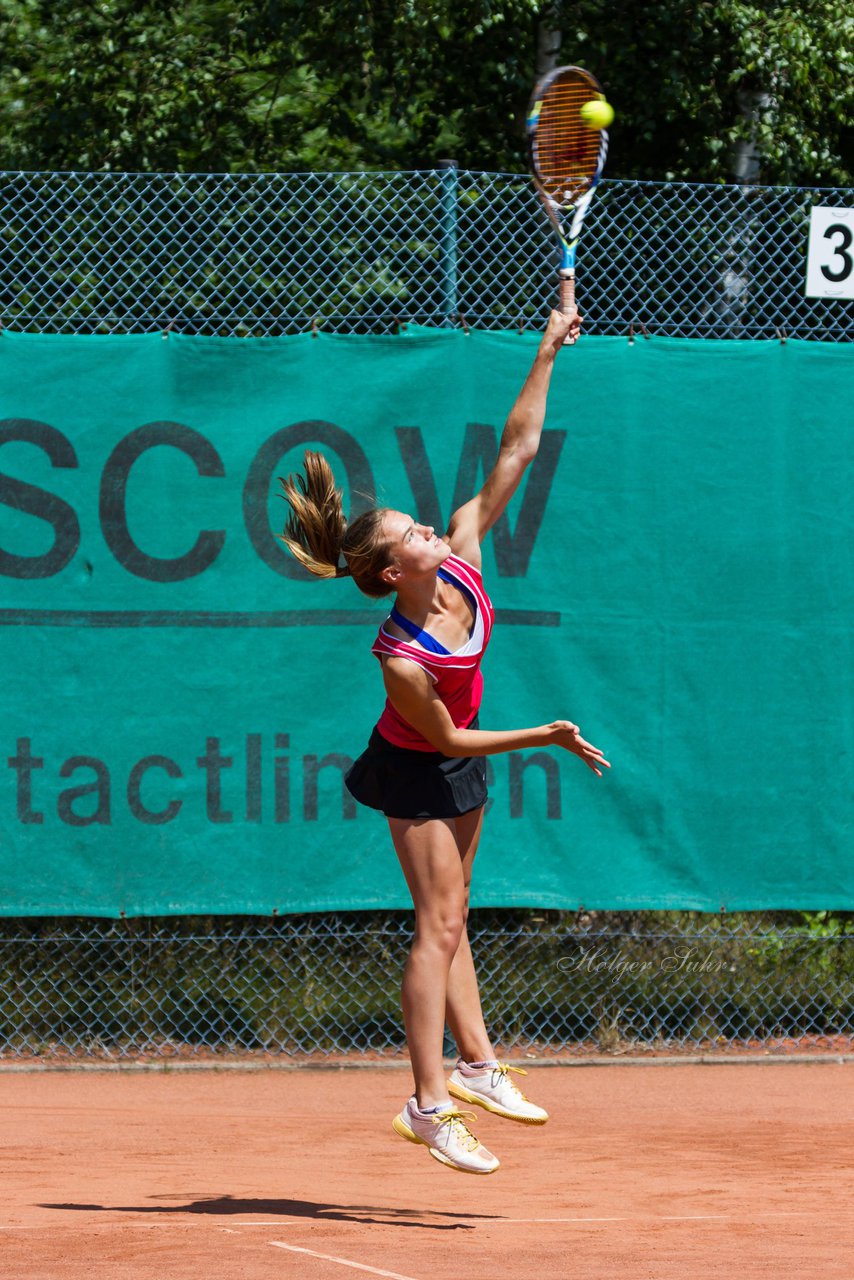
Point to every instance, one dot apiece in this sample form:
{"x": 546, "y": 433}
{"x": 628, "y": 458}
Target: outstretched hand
{"x": 567, "y": 735}
{"x": 559, "y": 328}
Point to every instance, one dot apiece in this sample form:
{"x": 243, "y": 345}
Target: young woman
{"x": 424, "y": 765}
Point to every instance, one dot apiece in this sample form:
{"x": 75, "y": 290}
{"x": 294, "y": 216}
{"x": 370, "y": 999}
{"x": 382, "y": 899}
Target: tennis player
{"x": 424, "y": 764}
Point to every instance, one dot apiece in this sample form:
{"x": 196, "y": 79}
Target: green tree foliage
{"x": 677, "y": 70}
{"x": 214, "y": 85}
{"x": 225, "y": 85}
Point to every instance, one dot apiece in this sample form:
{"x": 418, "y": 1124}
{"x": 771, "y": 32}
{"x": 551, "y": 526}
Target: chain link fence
{"x": 324, "y": 986}
{"x": 274, "y": 254}
{"x": 254, "y": 255}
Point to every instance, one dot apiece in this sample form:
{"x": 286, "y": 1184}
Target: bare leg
{"x": 463, "y": 1009}
{"x": 430, "y": 858}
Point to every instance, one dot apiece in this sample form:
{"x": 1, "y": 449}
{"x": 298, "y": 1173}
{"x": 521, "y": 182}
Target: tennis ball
{"x": 597, "y": 114}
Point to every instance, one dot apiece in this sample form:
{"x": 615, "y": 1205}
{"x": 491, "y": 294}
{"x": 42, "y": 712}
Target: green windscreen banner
{"x": 675, "y": 575}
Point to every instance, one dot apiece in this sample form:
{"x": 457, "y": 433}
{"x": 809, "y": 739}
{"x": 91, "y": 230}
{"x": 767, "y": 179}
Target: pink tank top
{"x": 457, "y": 676}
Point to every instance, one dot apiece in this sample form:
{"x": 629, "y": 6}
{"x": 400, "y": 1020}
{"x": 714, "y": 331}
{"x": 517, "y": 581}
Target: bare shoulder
{"x": 463, "y": 536}
{"x": 404, "y": 673}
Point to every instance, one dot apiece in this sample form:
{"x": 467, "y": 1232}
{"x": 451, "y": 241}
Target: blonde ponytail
{"x": 315, "y": 529}
{"x": 318, "y": 535}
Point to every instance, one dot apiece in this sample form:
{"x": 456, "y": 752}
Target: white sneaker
{"x": 447, "y": 1135}
{"x": 493, "y": 1089}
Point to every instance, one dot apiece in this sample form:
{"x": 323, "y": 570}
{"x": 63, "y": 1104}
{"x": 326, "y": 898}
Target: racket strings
{"x": 566, "y": 151}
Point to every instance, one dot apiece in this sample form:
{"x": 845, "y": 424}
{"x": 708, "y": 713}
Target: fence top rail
{"x": 391, "y": 174}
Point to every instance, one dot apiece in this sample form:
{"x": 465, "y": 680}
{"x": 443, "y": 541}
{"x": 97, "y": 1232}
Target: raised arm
{"x": 520, "y": 440}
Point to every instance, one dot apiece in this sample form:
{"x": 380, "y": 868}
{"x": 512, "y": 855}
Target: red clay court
{"x": 644, "y": 1172}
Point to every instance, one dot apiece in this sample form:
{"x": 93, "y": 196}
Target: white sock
{"x": 475, "y": 1068}
{"x": 429, "y": 1111}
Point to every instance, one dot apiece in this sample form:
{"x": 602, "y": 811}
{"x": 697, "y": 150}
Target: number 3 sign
{"x": 830, "y": 257}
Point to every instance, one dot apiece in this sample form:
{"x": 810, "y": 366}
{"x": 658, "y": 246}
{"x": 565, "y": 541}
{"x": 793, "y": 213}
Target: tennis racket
{"x": 567, "y": 158}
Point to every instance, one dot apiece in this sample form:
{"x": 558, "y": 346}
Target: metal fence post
{"x": 449, "y": 176}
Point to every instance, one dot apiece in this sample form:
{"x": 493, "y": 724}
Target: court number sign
{"x": 830, "y": 257}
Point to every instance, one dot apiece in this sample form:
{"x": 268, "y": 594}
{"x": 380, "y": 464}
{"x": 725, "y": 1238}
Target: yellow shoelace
{"x": 504, "y": 1068}
{"x": 457, "y": 1121}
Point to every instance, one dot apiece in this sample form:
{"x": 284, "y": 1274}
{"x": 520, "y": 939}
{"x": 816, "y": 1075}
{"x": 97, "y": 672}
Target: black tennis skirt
{"x": 416, "y": 784}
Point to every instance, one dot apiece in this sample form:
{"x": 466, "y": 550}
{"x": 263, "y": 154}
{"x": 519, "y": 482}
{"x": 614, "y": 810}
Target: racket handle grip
{"x": 567, "y": 298}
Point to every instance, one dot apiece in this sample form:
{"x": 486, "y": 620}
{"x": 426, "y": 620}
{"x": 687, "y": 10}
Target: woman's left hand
{"x": 568, "y": 736}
